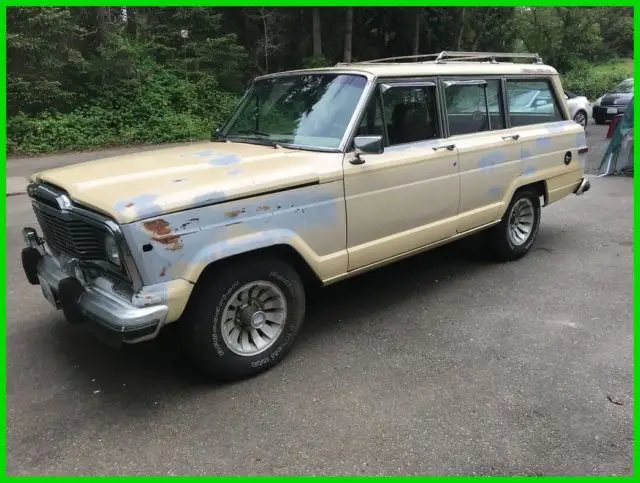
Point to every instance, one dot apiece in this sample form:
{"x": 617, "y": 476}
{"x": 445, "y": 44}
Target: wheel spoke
{"x": 258, "y": 341}
{"x": 269, "y": 331}
{"x": 244, "y": 341}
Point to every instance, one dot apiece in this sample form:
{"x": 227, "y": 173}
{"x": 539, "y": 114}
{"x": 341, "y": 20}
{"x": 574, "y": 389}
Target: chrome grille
{"x": 68, "y": 234}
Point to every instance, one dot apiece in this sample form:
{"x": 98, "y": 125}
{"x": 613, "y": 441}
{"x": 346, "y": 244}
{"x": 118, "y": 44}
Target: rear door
{"x": 489, "y": 155}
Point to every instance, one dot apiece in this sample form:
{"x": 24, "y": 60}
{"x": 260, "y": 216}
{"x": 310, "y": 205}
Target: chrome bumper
{"x": 584, "y": 186}
{"x": 97, "y": 306}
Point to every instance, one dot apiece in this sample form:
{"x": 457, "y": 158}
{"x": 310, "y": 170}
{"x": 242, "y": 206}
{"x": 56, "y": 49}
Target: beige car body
{"x": 201, "y": 203}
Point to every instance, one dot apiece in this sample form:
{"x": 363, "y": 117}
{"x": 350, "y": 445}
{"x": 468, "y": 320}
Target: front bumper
{"x": 97, "y": 307}
{"x": 601, "y": 113}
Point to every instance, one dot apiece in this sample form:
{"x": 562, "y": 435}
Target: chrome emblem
{"x": 64, "y": 202}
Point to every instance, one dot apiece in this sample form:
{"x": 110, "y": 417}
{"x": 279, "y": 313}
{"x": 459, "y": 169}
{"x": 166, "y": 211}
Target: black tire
{"x": 502, "y": 247}
{"x": 586, "y": 117}
{"x": 201, "y": 324}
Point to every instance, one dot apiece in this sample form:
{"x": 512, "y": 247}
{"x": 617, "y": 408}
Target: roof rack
{"x": 445, "y": 56}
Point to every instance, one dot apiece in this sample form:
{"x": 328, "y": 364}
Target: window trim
{"x": 552, "y": 89}
{"x": 448, "y": 81}
{"x": 418, "y": 81}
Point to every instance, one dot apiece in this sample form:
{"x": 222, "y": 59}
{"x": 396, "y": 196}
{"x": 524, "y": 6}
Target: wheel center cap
{"x": 258, "y": 319}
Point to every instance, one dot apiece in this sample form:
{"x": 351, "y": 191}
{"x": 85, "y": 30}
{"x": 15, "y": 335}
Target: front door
{"x": 407, "y": 197}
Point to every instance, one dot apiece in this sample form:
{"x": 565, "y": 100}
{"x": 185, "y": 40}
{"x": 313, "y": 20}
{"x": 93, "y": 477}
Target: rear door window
{"x": 473, "y": 106}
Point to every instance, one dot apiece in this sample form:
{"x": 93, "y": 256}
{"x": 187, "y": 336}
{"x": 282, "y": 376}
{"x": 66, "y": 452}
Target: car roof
{"x": 442, "y": 63}
{"x": 431, "y": 68}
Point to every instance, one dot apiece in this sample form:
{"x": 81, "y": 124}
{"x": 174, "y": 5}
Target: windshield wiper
{"x": 255, "y": 133}
{"x": 258, "y": 136}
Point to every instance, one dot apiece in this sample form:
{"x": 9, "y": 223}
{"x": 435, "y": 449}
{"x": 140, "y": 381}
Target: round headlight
{"x": 111, "y": 249}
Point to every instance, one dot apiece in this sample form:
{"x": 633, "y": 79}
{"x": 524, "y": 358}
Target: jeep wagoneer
{"x": 317, "y": 176}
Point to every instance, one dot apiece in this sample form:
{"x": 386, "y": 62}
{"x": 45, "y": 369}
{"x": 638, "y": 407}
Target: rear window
{"x": 531, "y": 102}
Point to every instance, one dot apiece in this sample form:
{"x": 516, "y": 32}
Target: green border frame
{"x": 290, "y": 3}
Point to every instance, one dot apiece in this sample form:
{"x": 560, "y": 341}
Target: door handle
{"x": 450, "y": 147}
{"x": 515, "y": 137}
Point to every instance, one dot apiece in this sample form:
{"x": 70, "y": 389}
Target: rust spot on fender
{"x": 162, "y": 233}
{"x": 263, "y": 208}
{"x": 163, "y": 271}
{"x": 129, "y": 205}
{"x": 234, "y": 213}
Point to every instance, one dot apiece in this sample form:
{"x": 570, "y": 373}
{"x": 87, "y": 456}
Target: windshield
{"x": 311, "y": 110}
{"x": 625, "y": 87}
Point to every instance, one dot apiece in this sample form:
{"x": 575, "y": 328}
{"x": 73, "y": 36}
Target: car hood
{"x": 143, "y": 185}
{"x": 617, "y": 99}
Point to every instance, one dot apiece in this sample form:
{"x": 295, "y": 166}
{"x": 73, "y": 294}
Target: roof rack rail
{"x": 460, "y": 56}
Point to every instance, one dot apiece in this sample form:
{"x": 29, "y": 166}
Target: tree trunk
{"x": 348, "y": 35}
{"x": 132, "y": 23}
{"x": 460, "y": 29}
{"x": 317, "y": 33}
{"x": 102, "y": 19}
{"x": 416, "y": 33}
{"x": 266, "y": 40}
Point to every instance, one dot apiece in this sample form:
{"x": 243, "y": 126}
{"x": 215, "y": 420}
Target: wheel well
{"x": 285, "y": 253}
{"x": 583, "y": 112}
{"x": 539, "y": 187}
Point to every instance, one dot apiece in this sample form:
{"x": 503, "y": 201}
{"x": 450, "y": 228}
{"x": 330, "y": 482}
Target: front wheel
{"x": 244, "y": 318}
{"x": 581, "y": 118}
{"x": 513, "y": 237}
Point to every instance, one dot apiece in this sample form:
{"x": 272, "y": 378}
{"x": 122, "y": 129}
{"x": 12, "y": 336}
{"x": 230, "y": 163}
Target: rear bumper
{"x": 100, "y": 309}
{"x": 601, "y": 113}
{"x": 583, "y": 187}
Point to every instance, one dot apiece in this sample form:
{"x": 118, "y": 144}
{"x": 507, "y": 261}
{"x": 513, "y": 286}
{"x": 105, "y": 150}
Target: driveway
{"x": 442, "y": 364}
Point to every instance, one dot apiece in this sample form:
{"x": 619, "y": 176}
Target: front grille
{"x": 70, "y": 235}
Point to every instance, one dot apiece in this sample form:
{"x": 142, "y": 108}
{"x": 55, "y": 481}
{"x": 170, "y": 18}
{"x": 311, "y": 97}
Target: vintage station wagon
{"x": 318, "y": 175}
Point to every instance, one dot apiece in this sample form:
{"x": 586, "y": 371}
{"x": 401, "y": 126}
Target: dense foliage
{"x": 80, "y": 78}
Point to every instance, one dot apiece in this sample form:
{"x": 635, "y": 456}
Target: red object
{"x": 613, "y": 124}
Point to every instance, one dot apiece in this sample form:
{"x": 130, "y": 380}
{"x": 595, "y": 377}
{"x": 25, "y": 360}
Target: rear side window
{"x": 474, "y": 106}
{"x": 531, "y": 102}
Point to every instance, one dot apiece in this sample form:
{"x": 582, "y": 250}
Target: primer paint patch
{"x": 492, "y": 158}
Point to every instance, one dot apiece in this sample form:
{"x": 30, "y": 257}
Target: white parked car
{"x": 578, "y": 107}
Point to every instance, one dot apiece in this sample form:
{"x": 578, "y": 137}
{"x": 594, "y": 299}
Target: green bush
{"x": 593, "y": 81}
{"x": 95, "y": 127}
{"x": 149, "y": 117}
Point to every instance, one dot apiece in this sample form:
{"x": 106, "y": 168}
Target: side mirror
{"x": 215, "y": 133}
{"x": 366, "y": 145}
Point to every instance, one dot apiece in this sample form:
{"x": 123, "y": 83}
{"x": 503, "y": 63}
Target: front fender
{"x": 309, "y": 219}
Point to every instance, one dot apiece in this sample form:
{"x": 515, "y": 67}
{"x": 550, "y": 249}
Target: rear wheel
{"x": 244, "y": 318}
{"x": 513, "y": 237}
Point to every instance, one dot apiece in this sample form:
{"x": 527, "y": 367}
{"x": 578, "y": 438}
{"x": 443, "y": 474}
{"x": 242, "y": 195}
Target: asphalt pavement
{"x": 445, "y": 363}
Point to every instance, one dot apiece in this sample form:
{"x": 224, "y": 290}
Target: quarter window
{"x": 531, "y": 102}
{"x": 474, "y": 106}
